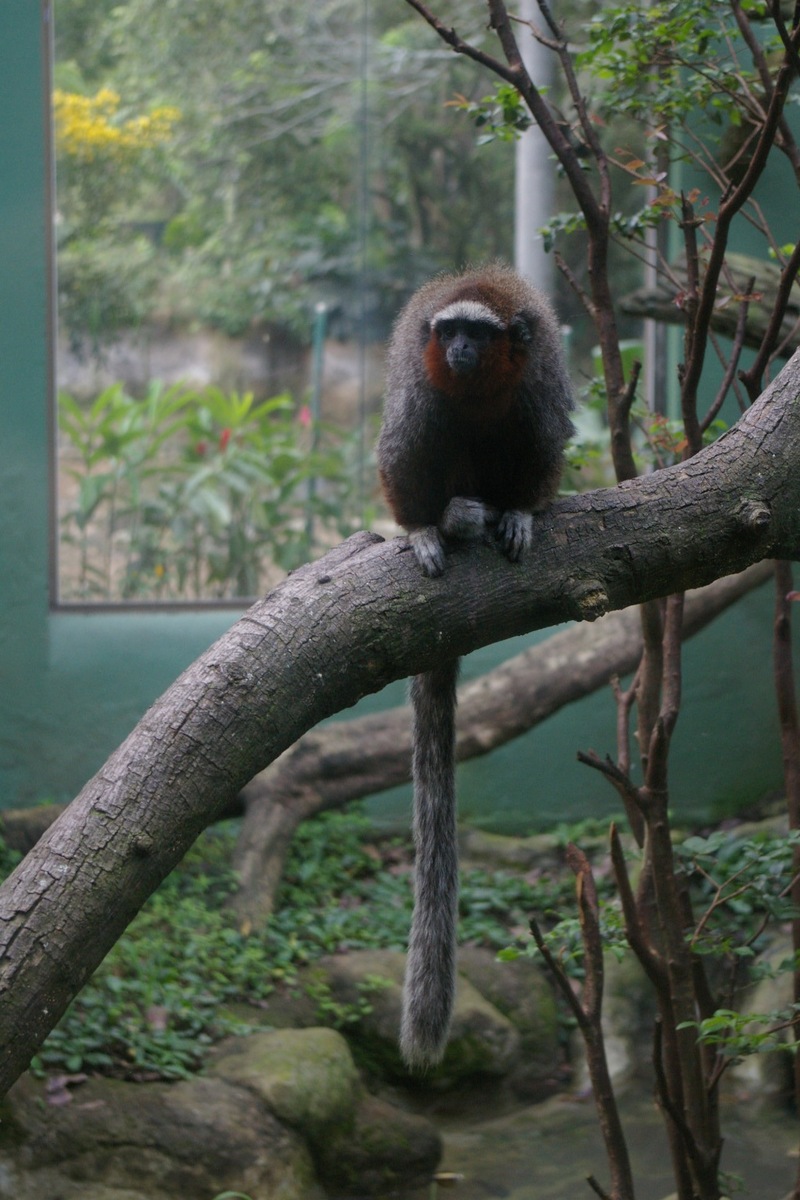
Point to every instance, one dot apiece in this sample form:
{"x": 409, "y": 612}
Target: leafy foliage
{"x": 160, "y": 998}
{"x": 286, "y": 157}
{"x": 682, "y": 49}
{"x": 501, "y": 116}
{"x": 195, "y": 493}
{"x": 740, "y": 887}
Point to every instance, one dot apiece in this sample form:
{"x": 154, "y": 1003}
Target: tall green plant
{"x": 193, "y": 494}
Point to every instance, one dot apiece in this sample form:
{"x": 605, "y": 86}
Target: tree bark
{"x": 339, "y": 629}
{"x": 347, "y": 760}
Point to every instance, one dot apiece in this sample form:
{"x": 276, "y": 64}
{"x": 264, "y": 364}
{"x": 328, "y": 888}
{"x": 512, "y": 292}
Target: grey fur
{"x": 431, "y": 965}
{"x": 472, "y": 463}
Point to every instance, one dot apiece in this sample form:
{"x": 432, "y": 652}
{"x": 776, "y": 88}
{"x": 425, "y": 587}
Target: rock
{"x": 497, "y": 851}
{"x": 383, "y": 1150}
{"x": 482, "y": 1041}
{"x": 520, "y": 991}
{"x": 373, "y": 1033}
{"x": 279, "y": 1115}
{"x": 628, "y": 1015}
{"x": 768, "y": 1077}
{"x": 306, "y": 1077}
{"x": 156, "y": 1141}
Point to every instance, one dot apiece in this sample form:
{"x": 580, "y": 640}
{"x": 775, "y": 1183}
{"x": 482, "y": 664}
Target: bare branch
{"x": 733, "y": 360}
{"x": 753, "y": 377}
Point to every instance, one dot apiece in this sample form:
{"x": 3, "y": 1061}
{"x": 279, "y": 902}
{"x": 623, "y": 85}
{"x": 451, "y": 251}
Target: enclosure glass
{"x": 244, "y": 197}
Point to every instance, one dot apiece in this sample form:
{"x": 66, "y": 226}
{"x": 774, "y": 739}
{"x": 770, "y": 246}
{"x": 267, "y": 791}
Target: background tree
{"x": 316, "y": 157}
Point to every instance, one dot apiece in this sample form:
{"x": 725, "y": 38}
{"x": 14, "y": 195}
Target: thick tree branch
{"x": 346, "y": 760}
{"x": 343, "y": 627}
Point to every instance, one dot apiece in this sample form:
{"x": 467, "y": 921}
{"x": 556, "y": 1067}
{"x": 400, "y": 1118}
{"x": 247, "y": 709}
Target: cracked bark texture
{"x": 343, "y": 627}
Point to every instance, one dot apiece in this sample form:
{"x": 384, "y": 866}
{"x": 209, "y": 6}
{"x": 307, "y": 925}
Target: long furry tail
{"x": 431, "y": 964}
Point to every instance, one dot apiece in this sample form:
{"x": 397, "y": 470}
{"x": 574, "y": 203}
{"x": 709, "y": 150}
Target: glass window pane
{"x": 245, "y": 196}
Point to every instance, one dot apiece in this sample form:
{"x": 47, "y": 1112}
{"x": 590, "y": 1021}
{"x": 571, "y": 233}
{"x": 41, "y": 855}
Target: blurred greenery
{"x": 190, "y": 494}
{"x": 295, "y": 130}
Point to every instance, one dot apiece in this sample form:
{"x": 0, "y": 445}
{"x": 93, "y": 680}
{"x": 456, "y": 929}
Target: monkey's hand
{"x": 467, "y": 520}
{"x": 515, "y": 533}
{"x": 428, "y": 549}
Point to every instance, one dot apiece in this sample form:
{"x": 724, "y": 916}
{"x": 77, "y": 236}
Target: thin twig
{"x": 598, "y": 1191}
{"x": 606, "y": 766}
{"x": 752, "y": 378}
{"x": 733, "y": 360}
{"x": 572, "y": 280}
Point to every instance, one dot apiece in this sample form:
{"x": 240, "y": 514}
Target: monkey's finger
{"x": 515, "y": 532}
{"x": 428, "y": 549}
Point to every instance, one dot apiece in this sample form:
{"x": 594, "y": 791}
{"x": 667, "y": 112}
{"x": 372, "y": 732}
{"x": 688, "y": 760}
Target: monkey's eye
{"x": 446, "y": 330}
{"x": 521, "y": 327}
{"x": 476, "y": 331}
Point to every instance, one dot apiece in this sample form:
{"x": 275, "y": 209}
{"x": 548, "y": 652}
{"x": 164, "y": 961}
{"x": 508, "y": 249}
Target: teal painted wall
{"x": 72, "y": 684}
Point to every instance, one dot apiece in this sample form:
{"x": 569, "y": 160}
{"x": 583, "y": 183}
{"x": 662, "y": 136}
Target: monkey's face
{"x": 464, "y": 343}
{"x": 462, "y": 332}
{"x": 474, "y": 356}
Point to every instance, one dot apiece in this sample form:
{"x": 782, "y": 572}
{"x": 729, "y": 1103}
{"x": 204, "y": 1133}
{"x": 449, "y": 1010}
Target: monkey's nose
{"x": 462, "y": 358}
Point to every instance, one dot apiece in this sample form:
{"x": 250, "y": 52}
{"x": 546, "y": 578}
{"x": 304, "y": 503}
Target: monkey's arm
{"x": 529, "y": 491}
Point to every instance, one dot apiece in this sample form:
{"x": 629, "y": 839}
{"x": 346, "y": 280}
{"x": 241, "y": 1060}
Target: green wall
{"x": 72, "y": 684}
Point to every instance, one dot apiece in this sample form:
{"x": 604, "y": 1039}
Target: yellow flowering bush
{"x": 87, "y": 127}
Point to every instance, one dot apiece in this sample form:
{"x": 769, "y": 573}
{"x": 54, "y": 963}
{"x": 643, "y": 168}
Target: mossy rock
{"x": 306, "y": 1077}
{"x": 483, "y": 1042}
{"x": 155, "y": 1141}
{"x": 384, "y": 1149}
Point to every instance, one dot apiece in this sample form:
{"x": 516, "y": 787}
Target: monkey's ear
{"x": 521, "y": 327}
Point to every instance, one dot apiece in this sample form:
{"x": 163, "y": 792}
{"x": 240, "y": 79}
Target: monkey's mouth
{"x": 462, "y": 363}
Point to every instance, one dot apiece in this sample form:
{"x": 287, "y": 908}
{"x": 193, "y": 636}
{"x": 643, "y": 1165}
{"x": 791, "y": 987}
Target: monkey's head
{"x": 472, "y": 346}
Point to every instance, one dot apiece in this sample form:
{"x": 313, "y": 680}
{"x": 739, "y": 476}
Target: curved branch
{"x": 346, "y": 760}
{"x": 345, "y": 626}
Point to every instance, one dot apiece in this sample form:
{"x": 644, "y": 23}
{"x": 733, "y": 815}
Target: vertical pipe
{"x": 534, "y": 169}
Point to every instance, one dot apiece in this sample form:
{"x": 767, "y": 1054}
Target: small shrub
{"x": 195, "y": 494}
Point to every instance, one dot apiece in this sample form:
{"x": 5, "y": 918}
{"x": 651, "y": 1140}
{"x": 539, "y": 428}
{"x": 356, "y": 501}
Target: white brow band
{"x": 467, "y": 310}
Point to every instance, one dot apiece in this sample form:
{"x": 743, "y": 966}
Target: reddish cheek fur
{"x": 493, "y": 381}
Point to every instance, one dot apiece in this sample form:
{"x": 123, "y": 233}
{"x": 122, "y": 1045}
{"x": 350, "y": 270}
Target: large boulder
{"x": 382, "y": 1150}
{"x": 520, "y": 991}
{"x": 281, "y": 1115}
{"x": 305, "y": 1077}
{"x": 767, "y": 1078}
{"x": 122, "y": 1141}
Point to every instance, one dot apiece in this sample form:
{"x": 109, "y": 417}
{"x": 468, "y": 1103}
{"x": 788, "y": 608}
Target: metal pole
{"x": 535, "y": 171}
